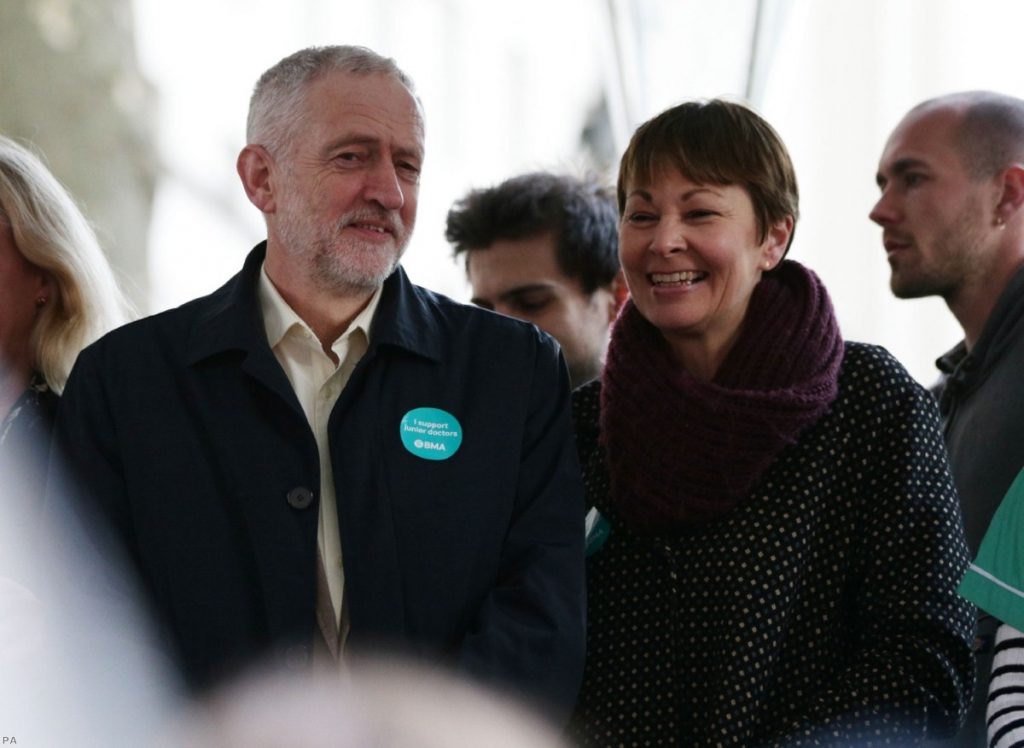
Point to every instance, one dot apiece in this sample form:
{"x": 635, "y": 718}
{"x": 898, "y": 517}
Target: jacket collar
{"x": 998, "y": 332}
{"x": 964, "y": 369}
{"x": 407, "y": 319}
{"x": 232, "y": 321}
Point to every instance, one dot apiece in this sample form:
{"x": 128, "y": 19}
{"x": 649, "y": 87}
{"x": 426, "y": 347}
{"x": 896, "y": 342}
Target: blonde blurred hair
{"x": 52, "y": 234}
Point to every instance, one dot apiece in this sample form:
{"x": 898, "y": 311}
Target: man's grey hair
{"x": 990, "y": 136}
{"x": 276, "y": 100}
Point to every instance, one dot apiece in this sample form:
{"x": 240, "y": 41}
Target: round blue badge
{"x": 431, "y": 433}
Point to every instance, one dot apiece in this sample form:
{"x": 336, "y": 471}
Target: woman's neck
{"x": 702, "y": 355}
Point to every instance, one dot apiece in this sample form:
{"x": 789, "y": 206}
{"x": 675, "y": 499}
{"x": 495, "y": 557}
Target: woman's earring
{"x": 40, "y": 301}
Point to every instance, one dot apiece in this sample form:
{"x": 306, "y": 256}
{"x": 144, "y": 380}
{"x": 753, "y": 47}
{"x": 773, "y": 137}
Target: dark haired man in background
{"x": 544, "y": 248}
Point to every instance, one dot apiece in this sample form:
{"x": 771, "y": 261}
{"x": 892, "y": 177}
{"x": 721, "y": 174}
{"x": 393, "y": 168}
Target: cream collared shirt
{"x": 317, "y": 383}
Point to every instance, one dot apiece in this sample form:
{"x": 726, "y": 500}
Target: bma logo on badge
{"x": 439, "y": 446}
{"x": 430, "y": 433}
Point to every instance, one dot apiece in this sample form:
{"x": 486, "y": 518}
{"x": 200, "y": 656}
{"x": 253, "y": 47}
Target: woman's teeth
{"x": 684, "y": 277}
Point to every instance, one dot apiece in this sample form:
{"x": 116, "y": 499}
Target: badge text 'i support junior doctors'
{"x": 430, "y": 433}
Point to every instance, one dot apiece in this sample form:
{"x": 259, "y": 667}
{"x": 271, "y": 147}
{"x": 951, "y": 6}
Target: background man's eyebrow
{"x": 528, "y": 288}
{"x": 906, "y": 164}
{"x": 901, "y": 166}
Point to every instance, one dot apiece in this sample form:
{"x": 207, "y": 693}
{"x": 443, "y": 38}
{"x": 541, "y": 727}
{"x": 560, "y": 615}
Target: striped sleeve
{"x": 1006, "y": 690}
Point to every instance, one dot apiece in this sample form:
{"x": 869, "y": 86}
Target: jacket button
{"x": 300, "y": 498}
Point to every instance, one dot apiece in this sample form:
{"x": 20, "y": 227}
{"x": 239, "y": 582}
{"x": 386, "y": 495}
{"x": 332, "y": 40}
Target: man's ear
{"x": 1012, "y": 195}
{"x": 254, "y": 166}
{"x": 620, "y": 292}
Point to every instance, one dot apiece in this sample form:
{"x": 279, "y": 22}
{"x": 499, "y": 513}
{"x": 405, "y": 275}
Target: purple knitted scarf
{"x": 682, "y": 452}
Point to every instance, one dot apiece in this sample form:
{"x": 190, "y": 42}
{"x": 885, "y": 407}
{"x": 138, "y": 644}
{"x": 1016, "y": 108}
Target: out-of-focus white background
{"x": 560, "y": 84}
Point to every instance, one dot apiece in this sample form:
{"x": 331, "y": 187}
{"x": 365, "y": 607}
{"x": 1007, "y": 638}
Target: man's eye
{"x": 530, "y": 305}
{"x": 912, "y": 179}
{"x": 408, "y": 171}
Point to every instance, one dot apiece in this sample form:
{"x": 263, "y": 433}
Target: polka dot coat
{"x": 821, "y": 611}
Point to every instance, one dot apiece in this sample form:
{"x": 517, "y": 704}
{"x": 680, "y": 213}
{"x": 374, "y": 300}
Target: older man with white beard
{"x": 321, "y": 457}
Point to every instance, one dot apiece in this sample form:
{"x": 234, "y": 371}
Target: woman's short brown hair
{"x": 715, "y": 142}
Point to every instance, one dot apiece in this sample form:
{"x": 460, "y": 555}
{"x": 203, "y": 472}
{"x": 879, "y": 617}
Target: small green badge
{"x": 431, "y": 433}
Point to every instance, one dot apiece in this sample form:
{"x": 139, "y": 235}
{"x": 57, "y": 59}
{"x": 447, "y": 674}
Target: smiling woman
{"x": 783, "y": 541}
{"x": 692, "y": 256}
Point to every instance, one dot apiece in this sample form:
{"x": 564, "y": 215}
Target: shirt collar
{"x": 279, "y": 318}
{"x": 948, "y": 361}
{"x": 408, "y": 317}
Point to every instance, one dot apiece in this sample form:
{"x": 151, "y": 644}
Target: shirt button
{"x": 300, "y": 498}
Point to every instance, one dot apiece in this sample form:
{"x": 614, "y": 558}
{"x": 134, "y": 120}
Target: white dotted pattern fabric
{"x": 821, "y": 611}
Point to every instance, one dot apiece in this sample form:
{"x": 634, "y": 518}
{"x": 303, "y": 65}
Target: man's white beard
{"x": 338, "y": 263}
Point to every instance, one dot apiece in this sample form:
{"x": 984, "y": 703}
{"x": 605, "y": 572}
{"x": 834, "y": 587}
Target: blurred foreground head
{"x": 375, "y": 704}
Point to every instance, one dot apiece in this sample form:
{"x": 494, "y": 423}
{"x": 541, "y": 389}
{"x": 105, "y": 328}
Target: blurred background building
{"x": 139, "y": 106}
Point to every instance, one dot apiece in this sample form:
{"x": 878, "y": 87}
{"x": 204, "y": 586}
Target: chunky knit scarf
{"x": 681, "y": 451}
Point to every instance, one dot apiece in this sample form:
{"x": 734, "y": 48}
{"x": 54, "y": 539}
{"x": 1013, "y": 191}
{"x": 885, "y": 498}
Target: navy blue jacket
{"x": 185, "y": 431}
